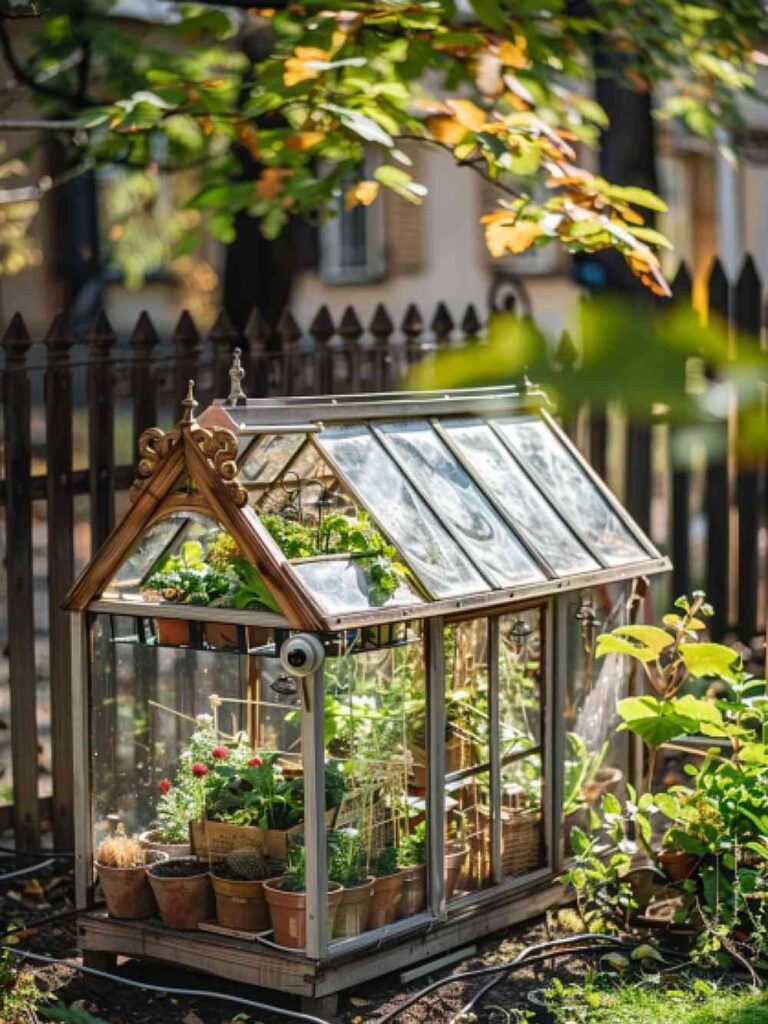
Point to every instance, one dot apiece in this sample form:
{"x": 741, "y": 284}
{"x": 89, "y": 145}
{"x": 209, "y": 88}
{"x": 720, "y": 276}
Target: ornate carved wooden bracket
{"x": 217, "y": 444}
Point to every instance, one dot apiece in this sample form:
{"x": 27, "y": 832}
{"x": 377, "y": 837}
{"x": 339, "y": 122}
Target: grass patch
{"x": 661, "y": 1006}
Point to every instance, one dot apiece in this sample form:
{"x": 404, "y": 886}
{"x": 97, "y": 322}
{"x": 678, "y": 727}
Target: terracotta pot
{"x": 455, "y": 855}
{"x": 173, "y": 631}
{"x": 127, "y": 891}
{"x": 240, "y": 905}
{"x": 183, "y": 900}
{"x": 222, "y": 635}
{"x": 288, "y": 912}
{"x": 151, "y": 843}
{"x": 354, "y": 908}
{"x": 385, "y": 901}
{"x": 414, "y": 890}
{"x": 678, "y": 864}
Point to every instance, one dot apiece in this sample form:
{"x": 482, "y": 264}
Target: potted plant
{"x": 347, "y": 866}
{"x": 387, "y": 889}
{"x": 413, "y": 873}
{"x": 238, "y": 886}
{"x": 170, "y": 832}
{"x": 121, "y": 865}
{"x": 287, "y": 902}
{"x": 182, "y": 890}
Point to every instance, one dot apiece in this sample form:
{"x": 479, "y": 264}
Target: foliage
{"x": 341, "y": 534}
{"x": 295, "y": 877}
{"x": 220, "y": 578}
{"x": 387, "y": 862}
{"x": 579, "y": 770}
{"x": 120, "y": 850}
{"x": 347, "y": 857}
{"x": 19, "y": 994}
{"x": 413, "y": 846}
{"x": 497, "y": 88}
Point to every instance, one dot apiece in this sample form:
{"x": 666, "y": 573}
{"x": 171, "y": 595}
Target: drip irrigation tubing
{"x": 565, "y": 946}
{"x": 251, "y": 1004}
{"x": 28, "y": 870}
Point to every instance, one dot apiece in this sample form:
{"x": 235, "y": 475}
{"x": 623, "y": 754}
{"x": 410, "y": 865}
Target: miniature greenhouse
{"x": 334, "y": 687}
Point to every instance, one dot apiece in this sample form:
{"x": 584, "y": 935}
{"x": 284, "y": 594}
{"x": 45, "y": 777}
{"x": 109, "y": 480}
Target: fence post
{"x": 350, "y": 331}
{"x": 566, "y": 356}
{"x": 101, "y": 427}
{"x": 186, "y": 351}
{"x": 257, "y": 333}
{"x": 143, "y": 342}
{"x": 471, "y": 325}
{"x": 289, "y": 332}
{"x": 381, "y": 328}
{"x": 413, "y": 328}
{"x": 716, "y": 499}
{"x": 322, "y": 330}
{"x": 20, "y": 594}
{"x": 681, "y": 473}
{"x": 442, "y": 325}
{"x": 748, "y": 301}
{"x": 61, "y": 568}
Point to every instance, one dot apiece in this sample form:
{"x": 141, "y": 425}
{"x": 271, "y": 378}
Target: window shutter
{"x": 404, "y": 227}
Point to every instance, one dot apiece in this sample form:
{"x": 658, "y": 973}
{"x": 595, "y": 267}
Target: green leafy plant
{"x": 413, "y": 846}
{"x": 295, "y": 878}
{"x": 20, "y": 996}
{"x": 347, "y": 857}
{"x": 387, "y": 862}
{"x": 578, "y": 771}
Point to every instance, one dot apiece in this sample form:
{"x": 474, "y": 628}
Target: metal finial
{"x": 189, "y": 404}
{"x": 236, "y": 374}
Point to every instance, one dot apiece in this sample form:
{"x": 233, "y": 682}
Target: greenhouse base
{"x": 103, "y": 939}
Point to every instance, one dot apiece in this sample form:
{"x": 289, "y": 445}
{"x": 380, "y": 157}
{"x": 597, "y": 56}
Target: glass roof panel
{"x": 572, "y": 490}
{"x": 267, "y": 457}
{"x": 433, "y": 555}
{"x": 341, "y": 585}
{"x": 524, "y": 504}
{"x": 460, "y": 503}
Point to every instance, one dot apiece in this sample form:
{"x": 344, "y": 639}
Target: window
{"x": 352, "y": 243}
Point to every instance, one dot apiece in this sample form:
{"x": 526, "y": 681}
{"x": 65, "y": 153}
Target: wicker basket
{"x": 521, "y": 841}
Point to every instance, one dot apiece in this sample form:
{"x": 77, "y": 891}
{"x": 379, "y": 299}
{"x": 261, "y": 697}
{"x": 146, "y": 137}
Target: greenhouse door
{"x": 495, "y": 763}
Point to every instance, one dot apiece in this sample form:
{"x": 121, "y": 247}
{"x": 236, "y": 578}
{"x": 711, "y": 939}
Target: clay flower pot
{"x": 385, "y": 902}
{"x": 414, "y": 890}
{"x": 153, "y": 844}
{"x": 354, "y": 909}
{"x": 455, "y": 855}
{"x": 173, "y": 631}
{"x": 240, "y": 905}
{"x": 288, "y": 912}
{"x": 182, "y": 891}
{"x": 127, "y": 891}
{"x": 678, "y": 864}
{"x": 221, "y": 635}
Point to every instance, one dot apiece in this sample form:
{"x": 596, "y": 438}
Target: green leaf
{"x": 608, "y": 643}
{"x": 490, "y": 13}
{"x": 400, "y": 182}
{"x": 638, "y": 196}
{"x": 647, "y": 636}
{"x": 712, "y": 660}
{"x": 362, "y": 125}
{"x": 654, "y": 721}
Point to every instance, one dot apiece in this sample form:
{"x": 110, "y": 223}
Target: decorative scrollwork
{"x": 219, "y": 446}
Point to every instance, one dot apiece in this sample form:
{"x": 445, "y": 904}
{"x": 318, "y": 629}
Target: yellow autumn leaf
{"x": 304, "y": 140}
{"x": 502, "y": 234}
{"x": 513, "y": 54}
{"x": 270, "y": 182}
{"x": 296, "y": 70}
{"x": 362, "y": 192}
{"x": 467, "y": 113}
{"x": 446, "y": 129}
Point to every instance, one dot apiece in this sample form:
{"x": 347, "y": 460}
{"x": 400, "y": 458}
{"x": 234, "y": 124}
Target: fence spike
{"x": 223, "y": 333}
{"x": 566, "y": 353}
{"x": 748, "y": 298}
{"x": 186, "y": 336}
{"x": 144, "y": 337}
{"x": 470, "y": 323}
{"x": 719, "y": 289}
{"x": 100, "y": 336}
{"x": 682, "y": 283}
{"x": 350, "y": 327}
{"x": 442, "y": 324}
{"x": 257, "y": 331}
{"x": 412, "y": 327}
{"x": 381, "y": 325}
{"x": 287, "y": 328}
{"x": 322, "y": 328}
{"x": 16, "y": 342}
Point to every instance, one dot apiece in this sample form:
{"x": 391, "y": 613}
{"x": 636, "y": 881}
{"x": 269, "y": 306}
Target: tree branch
{"x": 475, "y": 165}
{"x": 41, "y": 125}
{"x": 22, "y": 75}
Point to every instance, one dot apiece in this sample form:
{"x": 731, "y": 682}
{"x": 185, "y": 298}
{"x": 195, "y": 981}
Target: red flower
{"x": 220, "y": 753}
{"x": 255, "y": 762}
{"x": 164, "y": 786}
{"x": 199, "y": 770}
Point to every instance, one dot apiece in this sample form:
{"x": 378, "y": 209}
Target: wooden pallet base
{"x": 103, "y": 939}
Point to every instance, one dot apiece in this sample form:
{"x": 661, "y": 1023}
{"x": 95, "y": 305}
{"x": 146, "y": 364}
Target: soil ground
{"x": 47, "y": 891}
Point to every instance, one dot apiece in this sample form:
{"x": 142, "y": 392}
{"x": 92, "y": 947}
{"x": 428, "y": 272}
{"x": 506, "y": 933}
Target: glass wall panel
{"x": 467, "y": 758}
{"x": 572, "y": 490}
{"x": 521, "y": 729}
{"x": 504, "y": 478}
{"x": 596, "y": 757}
{"x": 375, "y": 729}
{"x": 268, "y": 457}
{"x": 458, "y": 501}
{"x": 429, "y": 549}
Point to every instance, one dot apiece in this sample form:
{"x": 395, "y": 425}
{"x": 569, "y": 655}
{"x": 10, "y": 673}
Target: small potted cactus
{"x": 238, "y": 885}
{"x": 387, "y": 889}
{"x": 120, "y": 862}
{"x": 182, "y": 890}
